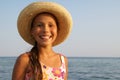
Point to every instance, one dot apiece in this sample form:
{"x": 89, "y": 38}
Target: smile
{"x": 45, "y": 37}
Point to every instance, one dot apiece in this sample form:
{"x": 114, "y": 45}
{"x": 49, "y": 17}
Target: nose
{"x": 46, "y": 29}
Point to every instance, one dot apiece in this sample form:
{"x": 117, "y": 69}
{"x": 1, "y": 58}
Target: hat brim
{"x": 28, "y": 13}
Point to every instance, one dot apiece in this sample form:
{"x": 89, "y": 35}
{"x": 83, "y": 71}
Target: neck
{"x": 45, "y": 51}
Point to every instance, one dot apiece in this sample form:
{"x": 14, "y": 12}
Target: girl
{"x": 41, "y": 25}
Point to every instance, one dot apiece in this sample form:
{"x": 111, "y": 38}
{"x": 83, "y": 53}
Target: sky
{"x": 95, "y": 31}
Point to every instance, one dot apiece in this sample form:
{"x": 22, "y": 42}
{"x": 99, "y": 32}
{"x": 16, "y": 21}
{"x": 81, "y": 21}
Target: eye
{"x": 51, "y": 25}
{"x": 38, "y": 25}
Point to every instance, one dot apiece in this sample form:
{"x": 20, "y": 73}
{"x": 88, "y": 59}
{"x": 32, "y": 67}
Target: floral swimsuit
{"x": 50, "y": 73}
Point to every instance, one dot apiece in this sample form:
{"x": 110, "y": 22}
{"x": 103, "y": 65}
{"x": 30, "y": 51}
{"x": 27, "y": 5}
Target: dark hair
{"x": 34, "y": 59}
{"x": 35, "y": 64}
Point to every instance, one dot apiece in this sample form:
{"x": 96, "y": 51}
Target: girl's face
{"x": 44, "y": 29}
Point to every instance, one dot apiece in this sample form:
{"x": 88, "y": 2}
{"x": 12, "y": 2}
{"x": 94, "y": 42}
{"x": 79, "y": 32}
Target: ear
{"x": 31, "y": 32}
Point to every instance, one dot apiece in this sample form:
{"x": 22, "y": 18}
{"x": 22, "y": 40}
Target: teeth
{"x": 45, "y": 37}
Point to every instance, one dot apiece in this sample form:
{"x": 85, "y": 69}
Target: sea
{"x": 79, "y": 68}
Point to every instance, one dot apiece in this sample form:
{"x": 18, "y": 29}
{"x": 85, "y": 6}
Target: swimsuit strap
{"x": 62, "y": 59}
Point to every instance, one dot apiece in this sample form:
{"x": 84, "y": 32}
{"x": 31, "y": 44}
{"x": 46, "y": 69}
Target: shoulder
{"x": 65, "y": 58}
{"x": 20, "y": 67}
{"x": 24, "y": 57}
{"x": 23, "y": 60}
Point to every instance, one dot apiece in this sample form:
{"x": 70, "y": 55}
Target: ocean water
{"x": 80, "y": 68}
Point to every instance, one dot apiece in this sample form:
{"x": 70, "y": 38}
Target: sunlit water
{"x": 82, "y": 68}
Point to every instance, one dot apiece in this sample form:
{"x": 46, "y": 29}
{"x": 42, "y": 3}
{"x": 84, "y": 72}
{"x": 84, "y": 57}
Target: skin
{"x": 44, "y": 31}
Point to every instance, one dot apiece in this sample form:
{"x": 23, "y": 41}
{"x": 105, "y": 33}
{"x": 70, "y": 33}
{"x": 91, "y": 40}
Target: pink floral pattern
{"x": 54, "y": 73}
{"x": 50, "y": 73}
{"x": 57, "y": 72}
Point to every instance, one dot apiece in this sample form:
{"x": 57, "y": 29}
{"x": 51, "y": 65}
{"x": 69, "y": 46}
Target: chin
{"x": 44, "y": 44}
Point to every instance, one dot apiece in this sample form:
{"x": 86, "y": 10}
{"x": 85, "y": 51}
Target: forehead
{"x": 45, "y": 15}
{"x": 53, "y": 18}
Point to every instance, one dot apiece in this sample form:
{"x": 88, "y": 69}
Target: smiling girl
{"x": 42, "y": 25}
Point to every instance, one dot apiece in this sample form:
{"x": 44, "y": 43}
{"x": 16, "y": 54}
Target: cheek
{"x": 55, "y": 31}
{"x": 34, "y": 31}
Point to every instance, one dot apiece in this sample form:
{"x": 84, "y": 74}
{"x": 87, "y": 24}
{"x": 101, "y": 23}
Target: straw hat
{"x": 28, "y": 13}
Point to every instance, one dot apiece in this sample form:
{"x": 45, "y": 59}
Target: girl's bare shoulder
{"x": 20, "y": 67}
{"x": 66, "y": 59}
{"x": 23, "y": 58}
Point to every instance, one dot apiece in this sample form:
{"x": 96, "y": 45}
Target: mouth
{"x": 45, "y": 37}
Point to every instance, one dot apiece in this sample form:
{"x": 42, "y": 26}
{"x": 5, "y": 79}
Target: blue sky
{"x": 95, "y": 32}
